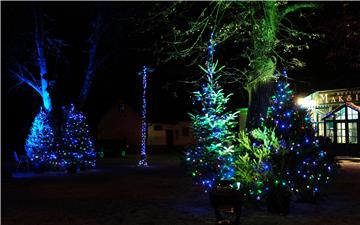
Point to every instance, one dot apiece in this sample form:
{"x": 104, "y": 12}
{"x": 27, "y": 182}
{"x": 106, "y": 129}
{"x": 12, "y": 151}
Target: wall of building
{"x": 181, "y": 132}
{"x": 120, "y": 123}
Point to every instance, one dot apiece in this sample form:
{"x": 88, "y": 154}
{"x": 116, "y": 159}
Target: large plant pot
{"x": 278, "y": 200}
{"x": 227, "y": 203}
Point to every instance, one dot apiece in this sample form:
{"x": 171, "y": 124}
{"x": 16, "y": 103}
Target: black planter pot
{"x": 226, "y": 202}
{"x": 278, "y": 201}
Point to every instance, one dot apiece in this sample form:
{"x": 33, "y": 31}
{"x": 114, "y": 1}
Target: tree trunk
{"x": 90, "y": 71}
{"x": 259, "y": 100}
{"x": 40, "y": 45}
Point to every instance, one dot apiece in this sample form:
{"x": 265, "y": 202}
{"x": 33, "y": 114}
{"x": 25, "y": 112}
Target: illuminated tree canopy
{"x": 259, "y": 32}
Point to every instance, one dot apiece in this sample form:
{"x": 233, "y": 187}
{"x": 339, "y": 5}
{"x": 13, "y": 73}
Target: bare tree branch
{"x": 22, "y": 77}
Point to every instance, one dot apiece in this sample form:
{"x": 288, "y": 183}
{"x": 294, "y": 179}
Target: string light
{"x": 210, "y": 158}
{"x": 293, "y": 125}
{"x": 40, "y": 142}
{"x": 144, "y": 127}
{"x": 76, "y": 146}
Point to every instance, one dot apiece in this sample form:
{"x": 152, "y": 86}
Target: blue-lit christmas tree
{"x": 302, "y": 166}
{"x": 77, "y": 147}
{"x": 39, "y": 145}
{"x": 210, "y": 158}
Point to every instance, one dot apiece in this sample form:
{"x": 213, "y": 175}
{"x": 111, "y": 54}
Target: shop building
{"x": 336, "y": 115}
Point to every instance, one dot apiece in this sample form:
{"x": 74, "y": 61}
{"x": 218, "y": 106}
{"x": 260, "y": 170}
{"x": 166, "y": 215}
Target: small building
{"x": 170, "y": 135}
{"x": 335, "y": 114}
{"x": 121, "y": 125}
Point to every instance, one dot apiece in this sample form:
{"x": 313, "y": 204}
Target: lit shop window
{"x": 330, "y": 130}
{"x": 341, "y": 133}
{"x": 352, "y": 114}
{"x": 353, "y": 133}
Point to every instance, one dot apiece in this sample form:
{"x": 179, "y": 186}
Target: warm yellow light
{"x": 306, "y": 102}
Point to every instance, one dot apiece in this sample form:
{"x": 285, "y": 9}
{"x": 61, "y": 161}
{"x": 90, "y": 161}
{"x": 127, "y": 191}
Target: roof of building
{"x": 348, "y": 104}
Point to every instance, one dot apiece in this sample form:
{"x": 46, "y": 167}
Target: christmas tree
{"x": 77, "y": 144}
{"x": 302, "y": 167}
{"x": 39, "y": 145}
{"x": 210, "y": 158}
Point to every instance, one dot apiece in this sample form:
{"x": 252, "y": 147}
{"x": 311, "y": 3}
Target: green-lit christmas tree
{"x": 77, "y": 145}
{"x": 39, "y": 145}
{"x": 210, "y": 158}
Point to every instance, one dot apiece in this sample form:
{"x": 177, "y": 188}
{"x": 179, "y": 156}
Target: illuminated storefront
{"x": 335, "y": 114}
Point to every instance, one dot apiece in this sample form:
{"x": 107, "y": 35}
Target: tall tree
{"x": 24, "y": 74}
{"x": 44, "y": 46}
{"x": 93, "y": 41}
{"x": 45, "y": 87}
{"x": 262, "y": 31}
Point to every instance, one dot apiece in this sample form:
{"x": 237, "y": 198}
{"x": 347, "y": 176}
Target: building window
{"x": 321, "y": 129}
{"x": 340, "y": 115}
{"x": 352, "y": 114}
{"x": 330, "y": 130}
{"x": 185, "y": 131}
{"x": 158, "y": 127}
{"x": 353, "y": 133}
{"x": 341, "y": 133}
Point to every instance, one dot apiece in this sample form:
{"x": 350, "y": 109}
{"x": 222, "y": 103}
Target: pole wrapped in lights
{"x": 144, "y": 127}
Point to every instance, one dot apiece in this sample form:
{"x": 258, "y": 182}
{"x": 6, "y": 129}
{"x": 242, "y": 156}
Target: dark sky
{"x": 333, "y": 62}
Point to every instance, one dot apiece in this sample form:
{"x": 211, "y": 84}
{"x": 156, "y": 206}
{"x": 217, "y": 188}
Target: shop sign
{"x": 337, "y": 97}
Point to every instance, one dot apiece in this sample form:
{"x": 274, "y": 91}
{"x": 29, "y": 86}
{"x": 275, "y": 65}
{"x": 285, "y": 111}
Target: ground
{"x": 118, "y": 192}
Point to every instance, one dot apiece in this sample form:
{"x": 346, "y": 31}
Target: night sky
{"x": 333, "y": 62}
